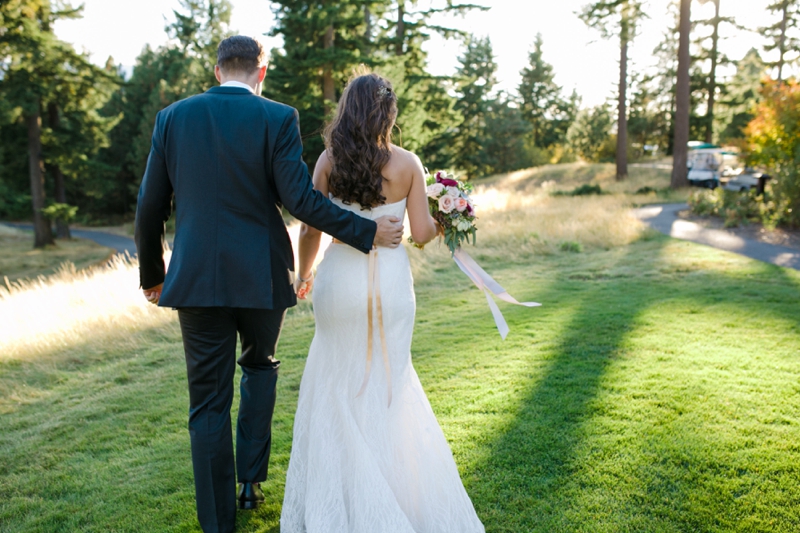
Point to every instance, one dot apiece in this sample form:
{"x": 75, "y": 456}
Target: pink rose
{"x": 461, "y": 204}
{"x": 435, "y": 189}
{"x": 446, "y": 203}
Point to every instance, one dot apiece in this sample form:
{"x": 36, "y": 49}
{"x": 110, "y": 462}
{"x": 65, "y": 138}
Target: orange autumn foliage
{"x": 773, "y": 138}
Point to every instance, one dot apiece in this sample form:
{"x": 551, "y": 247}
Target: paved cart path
{"x": 665, "y": 219}
{"x": 119, "y": 243}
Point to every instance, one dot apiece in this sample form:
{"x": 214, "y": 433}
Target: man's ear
{"x": 218, "y": 73}
{"x": 262, "y": 73}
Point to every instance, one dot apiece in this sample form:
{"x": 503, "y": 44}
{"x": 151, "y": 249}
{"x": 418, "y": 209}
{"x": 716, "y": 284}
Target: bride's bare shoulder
{"x": 323, "y": 160}
{"x": 405, "y": 158}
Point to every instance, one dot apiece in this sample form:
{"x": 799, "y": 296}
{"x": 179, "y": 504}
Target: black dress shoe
{"x": 249, "y": 495}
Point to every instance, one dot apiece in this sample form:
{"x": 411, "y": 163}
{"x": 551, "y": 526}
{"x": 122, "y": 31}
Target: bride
{"x": 368, "y": 455}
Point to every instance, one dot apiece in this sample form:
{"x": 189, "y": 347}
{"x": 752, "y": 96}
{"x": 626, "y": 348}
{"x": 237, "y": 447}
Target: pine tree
{"x": 476, "y": 79}
{"x": 648, "y": 122}
{"x": 664, "y": 80}
{"x": 589, "y": 135}
{"x": 618, "y": 17}
{"x": 542, "y": 103}
{"x": 46, "y": 77}
{"x": 505, "y": 135}
{"x": 160, "y": 77}
{"x": 742, "y": 96}
{"x": 426, "y": 111}
{"x": 322, "y": 43}
{"x": 783, "y": 34}
{"x": 710, "y": 52}
{"x": 682, "y": 101}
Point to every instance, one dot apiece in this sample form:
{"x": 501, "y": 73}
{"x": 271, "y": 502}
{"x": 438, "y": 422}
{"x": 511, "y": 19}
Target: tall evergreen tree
{"x": 46, "y": 77}
{"x": 682, "y": 100}
{"x": 783, "y": 34}
{"x": 426, "y": 116}
{"x": 322, "y": 43}
{"x": 505, "y": 135}
{"x": 590, "y": 134}
{"x": 648, "y": 123}
{"x": 543, "y": 105}
{"x": 618, "y": 17}
{"x": 160, "y": 77}
{"x": 476, "y": 79}
{"x": 664, "y": 80}
{"x": 742, "y": 96}
{"x": 710, "y": 52}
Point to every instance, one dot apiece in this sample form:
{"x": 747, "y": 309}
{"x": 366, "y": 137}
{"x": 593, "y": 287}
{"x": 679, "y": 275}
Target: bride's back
{"x": 361, "y": 166}
{"x": 398, "y": 175}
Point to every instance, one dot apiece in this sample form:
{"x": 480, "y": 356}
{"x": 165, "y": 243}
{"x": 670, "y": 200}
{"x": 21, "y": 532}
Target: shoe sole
{"x": 248, "y": 505}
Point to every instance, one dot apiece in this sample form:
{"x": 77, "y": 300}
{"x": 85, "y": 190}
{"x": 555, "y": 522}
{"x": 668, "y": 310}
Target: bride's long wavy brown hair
{"x": 359, "y": 138}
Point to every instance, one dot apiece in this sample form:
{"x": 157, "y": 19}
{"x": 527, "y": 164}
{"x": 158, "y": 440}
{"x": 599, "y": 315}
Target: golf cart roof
{"x": 699, "y": 145}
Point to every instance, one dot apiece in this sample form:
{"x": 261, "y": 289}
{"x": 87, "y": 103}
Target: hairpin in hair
{"x": 383, "y": 91}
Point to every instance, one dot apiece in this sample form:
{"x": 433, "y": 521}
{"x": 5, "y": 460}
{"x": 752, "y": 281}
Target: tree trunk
{"x": 328, "y": 87}
{"x": 712, "y": 78}
{"x": 782, "y": 46}
{"x": 400, "y": 35}
{"x": 43, "y": 233}
{"x": 622, "y": 121}
{"x": 62, "y": 227}
{"x": 680, "y": 148}
{"x": 367, "y": 30}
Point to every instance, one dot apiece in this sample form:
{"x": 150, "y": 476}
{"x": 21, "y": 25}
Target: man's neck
{"x": 234, "y": 82}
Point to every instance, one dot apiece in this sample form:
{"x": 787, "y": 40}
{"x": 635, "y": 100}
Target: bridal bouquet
{"x": 451, "y": 206}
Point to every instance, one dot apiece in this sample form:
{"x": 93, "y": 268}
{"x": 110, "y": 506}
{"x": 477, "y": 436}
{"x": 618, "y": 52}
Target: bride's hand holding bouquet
{"x": 452, "y": 209}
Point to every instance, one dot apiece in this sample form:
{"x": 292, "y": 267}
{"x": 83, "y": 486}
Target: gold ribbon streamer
{"x": 374, "y": 286}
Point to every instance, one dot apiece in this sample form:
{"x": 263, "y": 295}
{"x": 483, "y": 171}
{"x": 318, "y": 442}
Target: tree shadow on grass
{"x": 538, "y": 474}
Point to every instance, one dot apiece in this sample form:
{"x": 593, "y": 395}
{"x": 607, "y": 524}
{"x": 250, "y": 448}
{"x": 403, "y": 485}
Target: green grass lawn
{"x": 19, "y": 260}
{"x": 657, "y": 389}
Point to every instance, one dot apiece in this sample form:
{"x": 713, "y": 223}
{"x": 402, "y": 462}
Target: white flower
{"x": 463, "y": 225}
{"x": 435, "y": 189}
{"x": 454, "y": 192}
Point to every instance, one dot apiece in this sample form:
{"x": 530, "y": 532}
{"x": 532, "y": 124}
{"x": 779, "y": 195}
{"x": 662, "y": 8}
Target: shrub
{"x": 773, "y": 138}
{"x": 584, "y": 190}
{"x": 736, "y": 208}
{"x": 571, "y": 246}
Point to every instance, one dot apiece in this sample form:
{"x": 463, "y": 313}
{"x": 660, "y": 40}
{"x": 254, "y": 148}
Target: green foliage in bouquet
{"x": 450, "y": 205}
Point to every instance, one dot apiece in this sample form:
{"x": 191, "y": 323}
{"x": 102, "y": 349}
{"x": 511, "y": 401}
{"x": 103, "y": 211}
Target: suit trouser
{"x": 209, "y": 341}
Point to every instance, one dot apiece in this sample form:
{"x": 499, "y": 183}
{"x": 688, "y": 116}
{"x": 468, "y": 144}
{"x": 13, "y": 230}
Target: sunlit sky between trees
{"x": 582, "y": 60}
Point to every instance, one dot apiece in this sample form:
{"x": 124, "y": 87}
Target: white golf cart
{"x": 748, "y": 180}
{"x": 710, "y": 167}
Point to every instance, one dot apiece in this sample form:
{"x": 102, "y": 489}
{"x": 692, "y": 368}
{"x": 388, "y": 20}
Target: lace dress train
{"x": 360, "y": 464}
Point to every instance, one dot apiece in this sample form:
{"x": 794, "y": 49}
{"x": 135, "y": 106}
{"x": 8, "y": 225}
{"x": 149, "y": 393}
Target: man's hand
{"x": 390, "y": 232}
{"x": 153, "y": 295}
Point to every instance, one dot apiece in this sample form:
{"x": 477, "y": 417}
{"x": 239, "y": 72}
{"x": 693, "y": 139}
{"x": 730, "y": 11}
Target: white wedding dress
{"x": 360, "y": 464}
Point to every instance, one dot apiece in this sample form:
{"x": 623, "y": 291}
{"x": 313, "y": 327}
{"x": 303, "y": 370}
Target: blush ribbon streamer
{"x": 489, "y": 286}
{"x": 374, "y": 285}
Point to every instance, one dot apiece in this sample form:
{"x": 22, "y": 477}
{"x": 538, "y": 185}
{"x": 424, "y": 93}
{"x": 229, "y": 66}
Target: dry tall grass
{"x": 72, "y": 307}
{"x": 518, "y": 220}
{"x": 519, "y": 217}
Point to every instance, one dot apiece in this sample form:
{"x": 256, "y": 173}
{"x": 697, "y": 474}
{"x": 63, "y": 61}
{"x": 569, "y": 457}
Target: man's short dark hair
{"x": 240, "y": 54}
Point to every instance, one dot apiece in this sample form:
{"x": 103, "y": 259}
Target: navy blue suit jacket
{"x": 230, "y": 159}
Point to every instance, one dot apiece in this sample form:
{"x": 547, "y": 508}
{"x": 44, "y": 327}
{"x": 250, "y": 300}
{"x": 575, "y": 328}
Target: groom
{"x": 231, "y": 160}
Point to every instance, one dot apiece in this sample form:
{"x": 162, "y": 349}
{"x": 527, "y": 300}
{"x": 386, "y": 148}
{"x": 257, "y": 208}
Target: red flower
{"x": 447, "y": 182}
